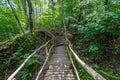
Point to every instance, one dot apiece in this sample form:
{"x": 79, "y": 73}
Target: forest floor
{"x": 107, "y": 64}
{"x": 42, "y": 57}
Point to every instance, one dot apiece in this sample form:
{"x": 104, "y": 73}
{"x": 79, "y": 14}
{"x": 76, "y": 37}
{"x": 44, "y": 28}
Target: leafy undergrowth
{"x": 30, "y": 66}
{"x": 82, "y": 73}
{"x": 12, "y": 57}
{"x": 108, "y": 72}
{"x": 107, "y": 64}
{"x": 97, "y": 42}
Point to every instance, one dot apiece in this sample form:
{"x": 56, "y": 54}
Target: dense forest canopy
{"x": 93, "y": 27}
{"x": 48, "y": 12}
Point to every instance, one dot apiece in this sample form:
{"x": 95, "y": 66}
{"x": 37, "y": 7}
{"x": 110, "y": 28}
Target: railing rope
{"x": 46, "y": 60}
{"x": 25, "y": 61}
{"x": 92, "y": 72}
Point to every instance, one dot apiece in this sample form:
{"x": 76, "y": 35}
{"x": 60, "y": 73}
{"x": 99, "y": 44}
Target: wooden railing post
{"x": 46, "y": 51}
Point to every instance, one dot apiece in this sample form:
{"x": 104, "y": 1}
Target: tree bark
{"x": 30, "y": 20}
{"x": 62, "y": 12}
{"x": 53, "y": 13}
{"x": 24, "y": 6}
{"x": 25, "y": 12}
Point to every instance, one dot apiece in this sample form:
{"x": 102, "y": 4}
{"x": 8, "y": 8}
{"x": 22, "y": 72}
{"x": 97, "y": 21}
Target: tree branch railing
{"x": 92, "y": 72}
{"x": 43, "y": 66}
{"x": 76, "y": 72}
{"x": 25, "y": 61}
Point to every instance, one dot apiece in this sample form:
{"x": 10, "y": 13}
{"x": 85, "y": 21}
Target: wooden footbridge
{"x": 61, "y": 65}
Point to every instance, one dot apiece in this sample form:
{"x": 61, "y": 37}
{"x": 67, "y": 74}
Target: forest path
{"x": 59, "y": 66}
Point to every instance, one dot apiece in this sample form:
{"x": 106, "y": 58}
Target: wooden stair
{"x": 59, "y": 66}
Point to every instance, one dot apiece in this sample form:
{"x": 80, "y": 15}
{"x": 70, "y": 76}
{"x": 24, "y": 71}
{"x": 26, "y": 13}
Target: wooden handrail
{"x": 25, "y": 61}
{"x": 46, "y": 60}
{"x": 92, "y": 72}
{"x": 76, "y": 72}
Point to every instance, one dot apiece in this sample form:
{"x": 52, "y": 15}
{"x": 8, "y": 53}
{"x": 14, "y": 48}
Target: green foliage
{"x": 16, "y": 54}
{"x": 102, "y": 29}
{"x": 85, "y": 51}
{"x": 82, "y": 73}
{"x": 8, "y": 26}
{"x": 94, "y": 48}
{"x": 24, "y": 74}
{"x": 30, "y": 66}
{"x": 78, "y": 45}
{"x": 49, "y": 18}
{"x": 118, "y": 50}
{"x": 96, "y": 27}
{"x": 109, "y": 75}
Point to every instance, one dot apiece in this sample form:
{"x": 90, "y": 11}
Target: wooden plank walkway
{"x": 59, "y": 66}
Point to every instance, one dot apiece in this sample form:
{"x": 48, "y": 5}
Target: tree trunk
{"x": 53, "y": 13}
{"x": 30, "y": 20}
{"x": 62, "y": 12}
{"x": 25, "y": 12}
{"x": 16, "y": 17}
{"x": 24, "y": 6}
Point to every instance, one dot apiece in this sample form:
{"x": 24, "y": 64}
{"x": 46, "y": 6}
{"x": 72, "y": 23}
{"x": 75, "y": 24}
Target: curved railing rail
{"x": 25, "y": 61}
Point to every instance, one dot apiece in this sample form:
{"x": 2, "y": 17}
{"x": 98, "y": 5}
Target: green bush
{"x": 8, "y": 25}
{"x": 94, "y": 48}
{"x": 99, "y": 32}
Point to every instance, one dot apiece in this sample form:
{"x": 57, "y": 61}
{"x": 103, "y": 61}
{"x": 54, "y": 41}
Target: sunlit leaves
{"x": 8, "y": 26}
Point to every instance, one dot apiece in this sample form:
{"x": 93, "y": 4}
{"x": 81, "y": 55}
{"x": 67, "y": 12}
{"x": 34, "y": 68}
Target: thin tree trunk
{"x": 69, "y": 21}
{"x": 31, "y": 26}
{"x": 16, "y": 17}
{"x": 62, "y": 13}
{"x": 24, "y": 6}
{"x": 53, "y": 13}
{"x": 25, "y": 12}
{"x": 36, "y": 11}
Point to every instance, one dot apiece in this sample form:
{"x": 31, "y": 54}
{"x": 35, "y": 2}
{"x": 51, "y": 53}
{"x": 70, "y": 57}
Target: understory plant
{"x": 100, "y": 32}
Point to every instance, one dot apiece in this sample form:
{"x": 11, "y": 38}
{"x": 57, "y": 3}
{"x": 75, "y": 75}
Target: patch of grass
{"x": 82, "y": 73}
{"x": 108, "y": 73}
